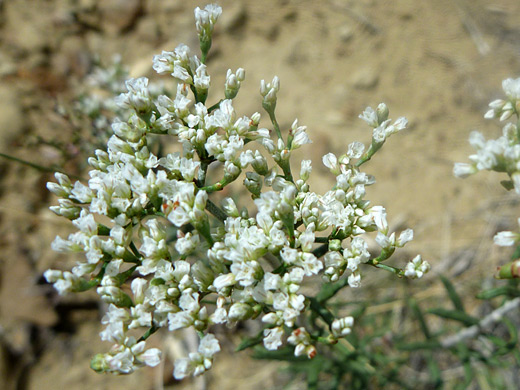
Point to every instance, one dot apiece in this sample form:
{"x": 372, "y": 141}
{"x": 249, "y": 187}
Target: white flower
{"x": 223, "y": 281}
{"x": 209, "y": 346}
{"x": 342, "y": 327}
{"x": 331, "y": 162}
{"x": 205, "y": 19}
{"x": 201, "y": 80}
{"x": 370, "y": 117}
{"x": 138, "y": 287}
{"x": 187, "y": 244}
{"x": 512, "y": 88}
{"x": 269, "y": 92}
{"x": 405, "y": 237}
{"x": 233, "y": 82}
{"x": 302, "y": 340}
{"x": 273, "y": 338}
{"x": 64, "y": 282}
{"x": 151, "y": 357}
{"x": 138, "y": 97}
{"x": 163, "y": 63}
{"x": 62, "y": 188}
{"x": 416, "y": 268}
{"x": 463, "y": 170}
{"x": 506, "y": 238}
{"x": 305, "y": 170}
{"x": 300, "y": 135}
{"x": 86, "y": 224}
{"x": 378, "y": 214}
{"x": 198, "y": 362}
{"x": 354, "y": 280}
{"x": 239, "y": 311}
{"x": 355, "y": 150}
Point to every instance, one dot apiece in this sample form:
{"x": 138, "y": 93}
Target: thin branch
{"x": 473, "y": 331}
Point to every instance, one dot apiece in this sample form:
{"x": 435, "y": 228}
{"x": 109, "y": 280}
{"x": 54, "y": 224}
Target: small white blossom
{"x": 199, "y": 362}
{"x": 342, "y": 326}
{"x": 205, "y": 20}
{"x": 416, "y": 268}
{"x": 138, "y": 96}
{"x": 302, "y": 340}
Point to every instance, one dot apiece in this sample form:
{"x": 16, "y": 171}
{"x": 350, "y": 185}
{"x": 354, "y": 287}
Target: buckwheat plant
{"x": 500, "y": 155}
{"x": 162, "y": 254}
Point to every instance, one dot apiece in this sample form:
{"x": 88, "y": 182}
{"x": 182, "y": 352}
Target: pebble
{"x": 118, "y": 15}
{"x": 365, "y": 78}
{"x": 234, "y": 18}
{"x": 11, "y": 116}
{"x": 345, "y": 33}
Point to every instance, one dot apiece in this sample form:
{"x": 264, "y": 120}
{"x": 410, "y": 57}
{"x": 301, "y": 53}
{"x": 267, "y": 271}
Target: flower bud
{"x": 240, "y": 311}
{"x": 342, "y": 327}
{"x": 255, "y": 118}
{"x": 382, "y": 113}
{"x": 99, "y": 363}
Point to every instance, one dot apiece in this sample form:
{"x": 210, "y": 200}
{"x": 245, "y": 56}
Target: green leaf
{"x": 250, "y": 342}
{"x": 418, "y": 313}
{"x": 507, "y": 184}
{"x": 313, "y": 373}
{"x": 516, "y": 253}
{"x": 328, "y": 290}
{"x": 455, "y": 315}
{"x": 435, "y": 372}
{"x": 454, "y": 297}
{"x": 419, "y": 345}
{"x": 321, "y": 310}
{"x": 513, "y": 331}
{"x": 498, "y": 291}
{"x": 285, "y": 354}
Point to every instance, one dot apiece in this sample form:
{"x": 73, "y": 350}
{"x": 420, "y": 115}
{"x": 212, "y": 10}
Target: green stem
{"x": 134, "y": 250}
{"x": 37, "y": 166}
{"x": 286, "y": 168}
{"x": 321, "y": 310}
{"x": 218, "y": 186}
{"x": 328, "y": 290}
{"x": 374, "y": 147}
{"x": 215, "y": 106}
{"x": 129, "y": 257}
{"x": 397, "y": 271}
{"x": 321, "y": 250}
{"x": 149, "y": 332}
{"x": 321, "y": 239}
{"x": 275, "y": 124}
{"x": 216, "y": 211}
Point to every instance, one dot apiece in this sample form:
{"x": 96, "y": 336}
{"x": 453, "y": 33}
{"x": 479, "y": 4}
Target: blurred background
{"x": 439, "y": 63}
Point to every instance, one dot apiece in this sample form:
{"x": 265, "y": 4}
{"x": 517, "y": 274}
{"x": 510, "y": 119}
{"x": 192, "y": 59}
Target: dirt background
{"x": 436, "y": 62}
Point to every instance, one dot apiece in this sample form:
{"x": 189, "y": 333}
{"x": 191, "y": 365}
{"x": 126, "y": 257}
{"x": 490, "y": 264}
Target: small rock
{"x": 345, "y": 33}
{"x": 298, "y": 54}
{"x": 365, "y": 78}
{"x": 334, "y": 118}
{"x": 11, "y": 116}
{"x": 118, "y": 15}
{"x": 234, "y": 17}
{"x": 148, "y": 29}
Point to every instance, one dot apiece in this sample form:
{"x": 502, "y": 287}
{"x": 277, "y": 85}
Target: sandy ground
{"x": 436, "y": 62}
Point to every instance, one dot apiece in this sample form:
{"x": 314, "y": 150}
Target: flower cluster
{"x": 501, "y": 154}
{"x": 162, "y": 254}
{"x": 94, "y": 107}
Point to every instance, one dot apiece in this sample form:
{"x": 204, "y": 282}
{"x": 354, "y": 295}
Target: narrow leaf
{"x": 454, "y": 297}
{"x": 455, "y": 315}
{"x": 498, "y": 291}
{"x": 420, "y": 345}
{"x": 250, "y": 342}
{"x": 418, "y": 313}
